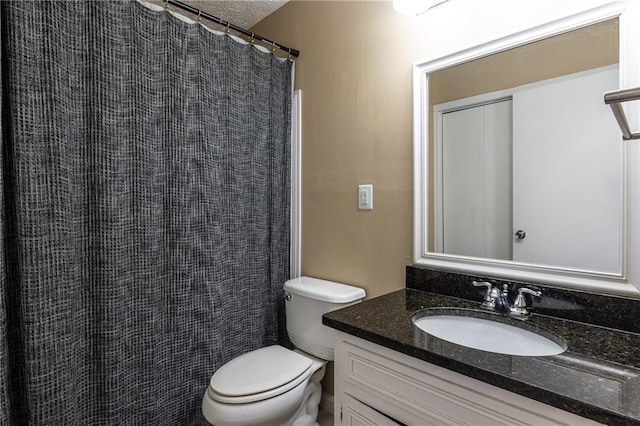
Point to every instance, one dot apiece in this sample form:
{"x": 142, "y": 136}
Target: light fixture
{"x": 415, "y": 7}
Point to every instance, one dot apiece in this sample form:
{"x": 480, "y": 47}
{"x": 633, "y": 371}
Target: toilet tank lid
{"x": 324, "y": 291}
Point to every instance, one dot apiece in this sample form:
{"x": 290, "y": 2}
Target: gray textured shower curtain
{"x": 144, "y": 211}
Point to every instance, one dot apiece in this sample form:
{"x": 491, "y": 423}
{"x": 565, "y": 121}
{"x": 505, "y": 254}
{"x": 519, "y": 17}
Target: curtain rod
{"x": 292, "y": 52}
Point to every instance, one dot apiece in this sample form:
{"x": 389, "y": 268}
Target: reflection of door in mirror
{"x": 475, "y": 194}
{"x": 568, "y": 174}
{"x": 526, "y": 198}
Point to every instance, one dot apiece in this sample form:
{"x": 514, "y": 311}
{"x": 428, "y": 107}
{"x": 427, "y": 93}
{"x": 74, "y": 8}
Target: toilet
{"x": 276, "y": 386}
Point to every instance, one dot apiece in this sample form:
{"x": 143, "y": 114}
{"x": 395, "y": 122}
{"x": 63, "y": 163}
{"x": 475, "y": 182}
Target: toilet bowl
{"x": 265, "y": 387}
{"x": 275, "y": 386}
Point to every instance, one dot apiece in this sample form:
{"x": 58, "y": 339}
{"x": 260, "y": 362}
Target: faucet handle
{"x": 536, "y": 293}
{"x": 482, "y": 284}
{"x": 519, "y": 308}
{"x": 489, "y": 301}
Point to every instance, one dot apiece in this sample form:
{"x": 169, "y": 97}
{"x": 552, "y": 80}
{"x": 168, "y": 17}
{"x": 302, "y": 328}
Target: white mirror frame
{"x": 627, "y": 283}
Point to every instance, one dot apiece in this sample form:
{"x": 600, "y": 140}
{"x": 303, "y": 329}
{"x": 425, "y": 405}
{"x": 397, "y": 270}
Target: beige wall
{"x": 587, "y": 48}
{"x": 354, "y": 70}
{"x": 356, "y": 130}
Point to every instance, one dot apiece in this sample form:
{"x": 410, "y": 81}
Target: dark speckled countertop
{"x": 597, "y": 377}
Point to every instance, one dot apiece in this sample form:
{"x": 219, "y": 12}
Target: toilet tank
{"x": 306, "y": 300}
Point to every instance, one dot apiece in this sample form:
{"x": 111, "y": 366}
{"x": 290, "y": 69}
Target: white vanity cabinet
{"x": 375, "y": 385}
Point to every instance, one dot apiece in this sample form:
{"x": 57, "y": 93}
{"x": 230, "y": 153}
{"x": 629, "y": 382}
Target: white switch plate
{"x": 365, "y": 197}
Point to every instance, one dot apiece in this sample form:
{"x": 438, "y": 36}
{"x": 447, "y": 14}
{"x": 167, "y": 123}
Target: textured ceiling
{"x": 243, "y": 13}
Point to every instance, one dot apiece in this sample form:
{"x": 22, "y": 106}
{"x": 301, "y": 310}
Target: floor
{"x": 325, "y": 418}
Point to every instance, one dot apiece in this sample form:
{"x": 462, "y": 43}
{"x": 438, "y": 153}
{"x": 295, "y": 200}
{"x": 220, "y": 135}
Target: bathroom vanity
{"x": 388, "y": 371}
{"x": 376, "y": 380}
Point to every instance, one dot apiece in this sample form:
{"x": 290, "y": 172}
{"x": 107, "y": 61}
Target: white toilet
{"x": 276, "y": 386}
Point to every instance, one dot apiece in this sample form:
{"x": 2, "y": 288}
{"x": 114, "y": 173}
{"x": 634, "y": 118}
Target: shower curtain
{"x": 144, "y": 207}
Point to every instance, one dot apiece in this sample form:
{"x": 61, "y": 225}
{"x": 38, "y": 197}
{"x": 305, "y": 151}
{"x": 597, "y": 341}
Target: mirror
{"x": 521, "y": 170}
{"x": 527, "y": 156}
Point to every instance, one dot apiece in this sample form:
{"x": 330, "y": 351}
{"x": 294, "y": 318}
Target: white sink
{"x": 487, "y": 335}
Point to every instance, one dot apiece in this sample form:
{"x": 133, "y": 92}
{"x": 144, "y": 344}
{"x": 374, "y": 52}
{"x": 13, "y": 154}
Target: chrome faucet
{"x": 519, "y": 307}
{"x": 491, "y": 296}
{"x": 489, "y": 301}
{"x": 496, "y": 300}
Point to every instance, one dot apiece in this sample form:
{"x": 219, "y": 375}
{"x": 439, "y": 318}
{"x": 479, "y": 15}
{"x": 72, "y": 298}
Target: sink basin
{"x": 487, "y": 335}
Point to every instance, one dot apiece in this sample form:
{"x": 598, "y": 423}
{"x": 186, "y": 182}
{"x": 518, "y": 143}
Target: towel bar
{"x": 614, "y": 99}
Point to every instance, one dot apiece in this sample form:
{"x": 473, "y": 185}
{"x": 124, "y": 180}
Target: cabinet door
{"x": 355, "y": 413}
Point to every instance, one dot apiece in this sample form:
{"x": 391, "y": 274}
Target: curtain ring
{"x": 274, "y": 47}
{"x": 199, "y": 16}
{"x": 227, "y": 30}
{"x": 166, "y": 4}
{"x": 252, "y": 34}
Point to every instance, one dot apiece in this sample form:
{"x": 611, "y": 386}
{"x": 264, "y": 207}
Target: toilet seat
{"x": 258, "y": 375}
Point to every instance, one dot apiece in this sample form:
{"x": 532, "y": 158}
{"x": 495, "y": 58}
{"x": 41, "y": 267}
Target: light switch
{"x": 365, "y": 197}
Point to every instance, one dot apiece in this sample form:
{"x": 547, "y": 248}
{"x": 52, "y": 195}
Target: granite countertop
{"x": 597, "y": 377}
